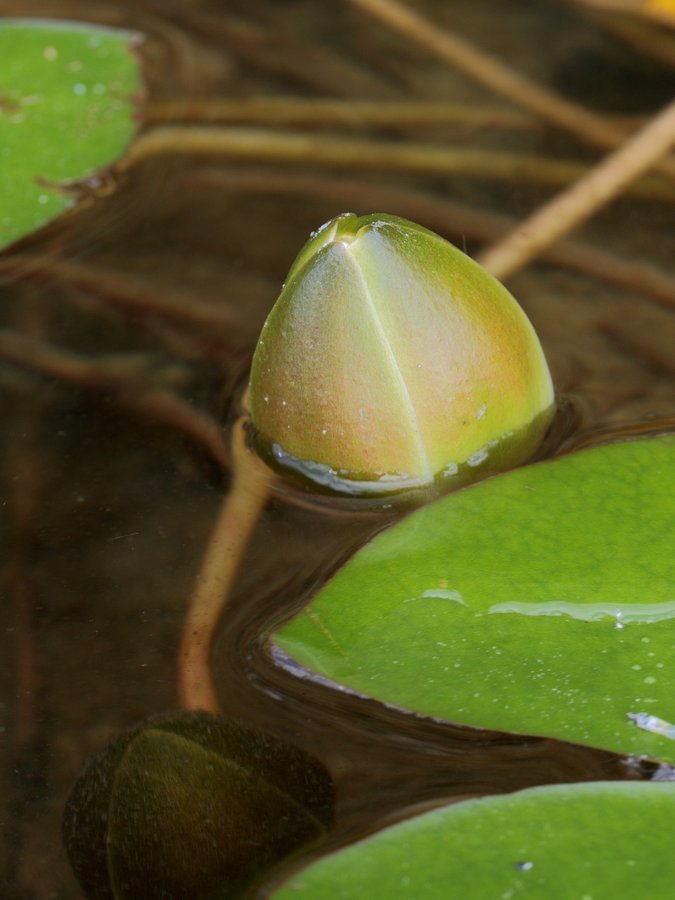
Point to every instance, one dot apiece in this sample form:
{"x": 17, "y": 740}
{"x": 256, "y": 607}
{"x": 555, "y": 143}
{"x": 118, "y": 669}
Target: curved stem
{"x": 251, "y": 482}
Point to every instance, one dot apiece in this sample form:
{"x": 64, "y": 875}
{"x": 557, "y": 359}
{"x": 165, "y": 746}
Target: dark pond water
{"x": 112, "y": 473}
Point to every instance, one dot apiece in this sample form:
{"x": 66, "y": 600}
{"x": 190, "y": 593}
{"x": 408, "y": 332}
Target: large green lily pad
{"x": 68, "y": 106}
{"x": 541, "y": 602}
{"x": 602, "y": 841}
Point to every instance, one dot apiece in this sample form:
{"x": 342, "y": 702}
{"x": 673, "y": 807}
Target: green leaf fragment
{"x": 601, "y": 841}
{"x": 68, "y": 107}
{"x": 540, "y": 602}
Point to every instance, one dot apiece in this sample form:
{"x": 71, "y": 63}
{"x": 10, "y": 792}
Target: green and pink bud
{"x": 393, "y": 361}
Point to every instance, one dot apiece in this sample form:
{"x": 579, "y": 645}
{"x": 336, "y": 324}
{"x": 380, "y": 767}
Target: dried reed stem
{"x": 500, "y": 78}
{"x": 564, "y": 212}
{"x": 249, "y": 490}
{"x": 331, "y": 151}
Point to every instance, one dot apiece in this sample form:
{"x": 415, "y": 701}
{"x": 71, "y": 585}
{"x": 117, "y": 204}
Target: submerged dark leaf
{"x": 187, "y": 805}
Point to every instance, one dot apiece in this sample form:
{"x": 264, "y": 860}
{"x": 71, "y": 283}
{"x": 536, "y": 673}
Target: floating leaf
{"x": 587, "y": 841}
{"x": 68, "y": 97}
{"x": 540, "y": 602}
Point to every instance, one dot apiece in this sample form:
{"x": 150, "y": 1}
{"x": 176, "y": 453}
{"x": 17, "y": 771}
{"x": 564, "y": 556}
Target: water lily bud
{"x": 391, "y": 361}
{"x": 188, "y": 805}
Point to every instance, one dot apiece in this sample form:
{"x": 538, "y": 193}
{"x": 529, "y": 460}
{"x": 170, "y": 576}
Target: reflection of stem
{"x": 333, "y": 151}
{"x": 249, "y": 491}
{"x": 564, "y": 212}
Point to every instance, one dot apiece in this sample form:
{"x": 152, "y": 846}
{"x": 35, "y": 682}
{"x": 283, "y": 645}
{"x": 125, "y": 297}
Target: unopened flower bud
{"x": 392, "y": 361}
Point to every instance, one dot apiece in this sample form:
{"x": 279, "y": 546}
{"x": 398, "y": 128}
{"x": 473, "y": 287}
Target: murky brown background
{"x": 109, "y": 487}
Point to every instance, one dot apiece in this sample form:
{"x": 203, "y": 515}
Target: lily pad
{"x": 540, "y": 602}
{"x": 587, "y": 841}
{"x": 68, "y": 107}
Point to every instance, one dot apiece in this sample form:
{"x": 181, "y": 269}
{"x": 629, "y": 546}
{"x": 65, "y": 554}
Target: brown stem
{"x": 295, "y": 111}
{"x": 564, "y": 212}
{"x": 321, "y": 150}
{"x": 25, "y": 477}
{"x": 131, "y": 294}
{"x": 125, "y": 378}
{"x": 499, "y": 77}
{"x": 251, "y": 482}
{"x": 654, "y": 347}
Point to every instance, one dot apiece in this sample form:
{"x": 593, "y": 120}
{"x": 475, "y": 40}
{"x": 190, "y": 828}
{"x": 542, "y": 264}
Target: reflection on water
{"x": 622, "y": 614}
{"x": 155, "y": 293}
